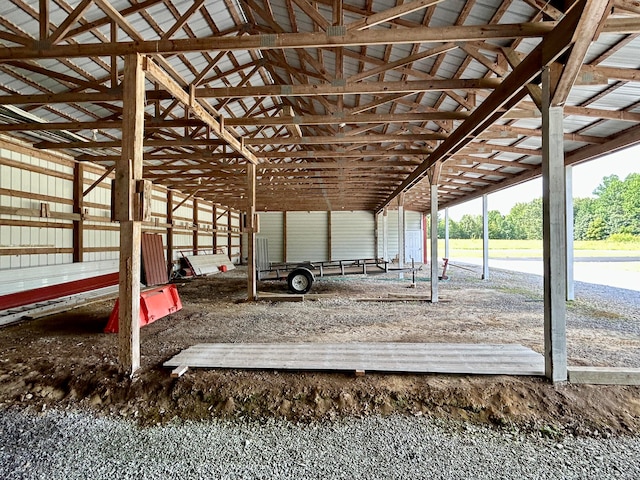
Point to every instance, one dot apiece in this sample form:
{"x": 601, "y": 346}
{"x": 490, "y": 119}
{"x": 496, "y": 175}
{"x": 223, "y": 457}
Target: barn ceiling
{"x": 340, "y": 104}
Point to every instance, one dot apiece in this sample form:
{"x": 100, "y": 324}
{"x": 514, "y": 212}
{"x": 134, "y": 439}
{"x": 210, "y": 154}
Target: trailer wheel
{"x": 300, "y": 280}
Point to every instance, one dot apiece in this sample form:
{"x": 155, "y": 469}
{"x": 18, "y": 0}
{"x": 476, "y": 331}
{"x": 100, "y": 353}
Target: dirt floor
{"x": 65, "y": 361}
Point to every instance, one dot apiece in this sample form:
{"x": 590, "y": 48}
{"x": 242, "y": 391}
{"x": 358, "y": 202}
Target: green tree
{"x": 526, "y": 220}
{"x": 608, "y": 205}
{"x": 631, "y": 204}
{"x": 470, "y": 226}
{"x": 583, "y": 215}
{"x": 597, "y": 229}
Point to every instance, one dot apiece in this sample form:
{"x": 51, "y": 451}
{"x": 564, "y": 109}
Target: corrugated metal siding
{"x": 272, "y": 228}
{"x": 352, "y": 235}
{"x": 412, "y": 220}
{"x": 307, "y": 236}
{"x": 30, "y": 184}
{"x": 412, "y": 223}
{"x": 392, "y": 234}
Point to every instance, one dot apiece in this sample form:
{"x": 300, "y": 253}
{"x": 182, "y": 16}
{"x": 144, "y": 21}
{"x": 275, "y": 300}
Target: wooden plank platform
{"x": 484, "y": 359}
{"x": 604, "y": 375}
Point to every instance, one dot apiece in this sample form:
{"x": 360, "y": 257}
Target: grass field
{"x": 533, "y": 248}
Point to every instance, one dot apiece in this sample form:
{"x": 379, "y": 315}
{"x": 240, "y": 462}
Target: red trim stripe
{"x": 43, "y": 294}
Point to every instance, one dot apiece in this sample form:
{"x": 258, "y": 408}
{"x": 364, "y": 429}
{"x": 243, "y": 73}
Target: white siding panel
{"x": 352, "y": 235}
{"x": 307, "y": 236}
{"x": 272, "y": 228}
{"x": 412, "y": 220}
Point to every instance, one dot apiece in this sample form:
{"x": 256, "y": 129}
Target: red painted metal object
{"x": 43, "y": 294}
{"x": 154, "y": 304}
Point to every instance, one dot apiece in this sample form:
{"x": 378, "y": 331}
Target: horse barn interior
{"x": 333, "y": 129}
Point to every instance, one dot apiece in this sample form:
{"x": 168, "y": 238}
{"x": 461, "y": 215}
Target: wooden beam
{"x": 508, "y": 94}
{"x": 252, "y": 289}
{"x": 457, "y": 33}
{"x": 128, "y": 173}
{"x": 68, "y": 22}
{"x": 198, "y": 110}
{"x": 352, "y": 88}
{"x": 78, "y": 208}
{"x": 390, "y": 14}
{"x": 106, "y": 173}
{"x": 588, "y": 28}
{"x": 554, "y": 237}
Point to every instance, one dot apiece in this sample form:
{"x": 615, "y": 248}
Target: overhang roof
{"x": 342, "y": 105}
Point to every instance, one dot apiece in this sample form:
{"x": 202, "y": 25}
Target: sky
{"x": 586, "y": 177}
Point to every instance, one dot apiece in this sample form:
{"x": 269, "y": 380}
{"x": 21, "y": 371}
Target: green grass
{"x": 533, "y": 248}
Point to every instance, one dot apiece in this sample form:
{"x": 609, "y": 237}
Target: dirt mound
{"x": 65, "y": 361}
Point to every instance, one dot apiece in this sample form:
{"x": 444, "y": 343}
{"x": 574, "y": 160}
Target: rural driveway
{"x": 620, "y": 272}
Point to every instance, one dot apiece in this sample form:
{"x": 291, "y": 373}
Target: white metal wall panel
{"x": 272, "y": 228}
{"x": 392, "y": 234}
{"x": 352, "y": 235}
{"x": 412, "y": 220}
{"x": 413, "y": 234}
{"x": 307, "y": 236}
{"x": 30, "y": 185}
{"x": 414, "y": 239}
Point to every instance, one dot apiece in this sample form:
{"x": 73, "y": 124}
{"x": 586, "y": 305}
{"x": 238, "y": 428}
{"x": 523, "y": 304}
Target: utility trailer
{"x": 301, "y": 275}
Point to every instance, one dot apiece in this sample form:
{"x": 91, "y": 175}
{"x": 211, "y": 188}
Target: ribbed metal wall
{"x": 272, "y": 228}
{"x": 414, "y": 243}
{"x": 352, "y": 235}
{"x": 412, "y": 228}
{"x": 307, "y": 236}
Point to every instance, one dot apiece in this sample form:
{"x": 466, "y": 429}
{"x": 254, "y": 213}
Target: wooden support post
{"x": 385, "y": 235}
{"x": 401, "y": 234}
{"x": 485, "y": 237}
{"x": 195, "y": 226}
{"x": 554, "y": 237}
{"x": 215, "y": 227}
{"x": 252, "y": 285}
{"x": 229, "y": 236}
{"x": 434, "y": 242}
{"x": 434, "y": 179}
{"x": 78, "y": 208}
{"x": 170, "y": 230}
{"x": 376, "y": 235}
{"x": 571, "y": 295}
{"x": 128, "y": 212}
{"x": 446, "y": 233}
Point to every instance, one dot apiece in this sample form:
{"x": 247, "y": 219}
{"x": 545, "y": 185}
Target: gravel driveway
{"x": 68, "y": 446}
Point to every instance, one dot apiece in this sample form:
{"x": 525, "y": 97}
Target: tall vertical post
{"x": 446, "y": 233}
{"x": 554, "y": 236}
{"x": 196, "y": 228}
{"x": 434, "y": 239}
{"x": 385, "y": 235}
{"x": 485, "y": 237}
{"x": 128, "y": 212}
{"x": 571, "y": 295}
{"x": 252, "y": 285}
{"x": 78, "y": 209}
{"x": 401, "y": 234}
{"x": 169, "y": 230}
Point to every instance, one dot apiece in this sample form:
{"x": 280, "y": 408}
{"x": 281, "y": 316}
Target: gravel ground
{"x": 61, "y": 445}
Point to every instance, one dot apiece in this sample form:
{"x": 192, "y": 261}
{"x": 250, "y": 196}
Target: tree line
{"x": 614, "y": 212}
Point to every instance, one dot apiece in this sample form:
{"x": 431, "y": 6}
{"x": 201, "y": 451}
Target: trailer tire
{"x": 300, "y": 280}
